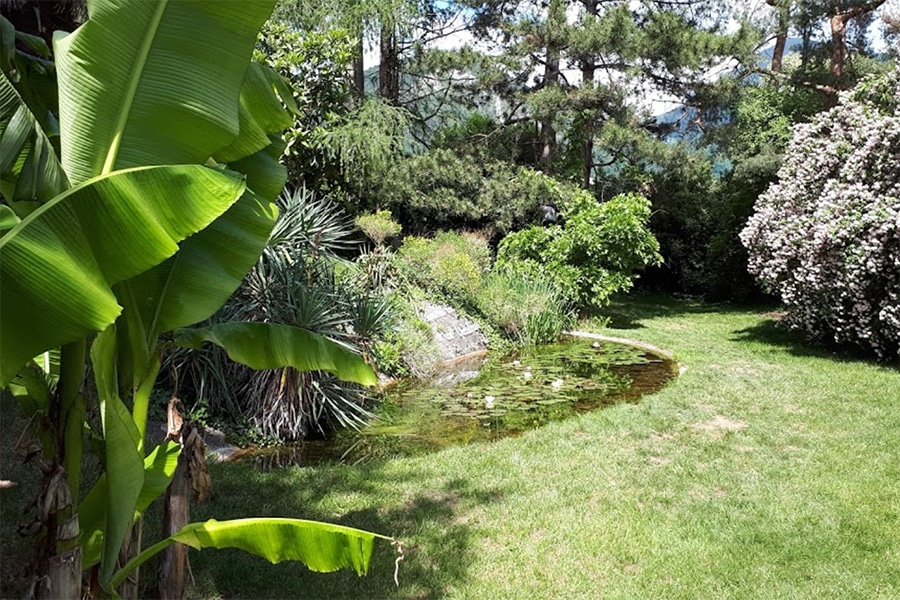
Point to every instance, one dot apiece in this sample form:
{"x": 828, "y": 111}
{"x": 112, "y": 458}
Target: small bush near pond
{"x": 595, "y": 252}
{"x": 450, "y": 265}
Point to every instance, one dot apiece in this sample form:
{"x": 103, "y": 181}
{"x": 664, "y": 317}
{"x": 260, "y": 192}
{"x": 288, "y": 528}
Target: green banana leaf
{"x": 29, "y": 166}
{"x": 8, "y": 219}
{"x": 124, "y": 468}
{"x": 320, "y": 546}
{"x": 261, "y": 113}
{"x": 157, "y": 83}
{"x": 273, "y": 345}
{"x": 58, "y": 264}
{"x": 159, "y": 467}
{"x": 208, "y": 267}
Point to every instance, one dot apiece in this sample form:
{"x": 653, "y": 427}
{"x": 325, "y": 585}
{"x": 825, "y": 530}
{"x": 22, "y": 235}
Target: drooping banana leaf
{"x": 322, "y": 547}
{"x": 274, "y": 345}
{"x": 261, "y": 113}
{"x": 58, "y": 264}
{"x": 159, "y": 467}
{"x": 158, "y": 83}
{"x": 29, "y": 166}
{"x": 124, "y": 468}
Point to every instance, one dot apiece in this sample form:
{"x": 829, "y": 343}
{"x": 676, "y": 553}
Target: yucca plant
{"x": 294, "y": 282}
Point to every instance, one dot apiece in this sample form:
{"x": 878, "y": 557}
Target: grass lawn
{"x": 767, "y": 470}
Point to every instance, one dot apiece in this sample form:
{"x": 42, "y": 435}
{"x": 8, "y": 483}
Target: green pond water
{"x": 485, "y": 398}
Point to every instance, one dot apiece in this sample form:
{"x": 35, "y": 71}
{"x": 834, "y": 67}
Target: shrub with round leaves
{"x": 826, "y": 235}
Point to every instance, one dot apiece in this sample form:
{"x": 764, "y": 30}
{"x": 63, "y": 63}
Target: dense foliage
{"x": 826, "y": 237}
{"x": 294, "y": 282}
{"x": 596, "y": 250}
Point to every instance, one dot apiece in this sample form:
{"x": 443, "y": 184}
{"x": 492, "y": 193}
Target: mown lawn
{"x": 767, "y": 470}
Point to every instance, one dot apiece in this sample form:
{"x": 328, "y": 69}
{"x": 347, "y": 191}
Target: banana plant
{"x": 158, "y": 204}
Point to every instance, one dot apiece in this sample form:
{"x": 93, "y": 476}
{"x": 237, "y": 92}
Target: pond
{"x": 482, "y": 398}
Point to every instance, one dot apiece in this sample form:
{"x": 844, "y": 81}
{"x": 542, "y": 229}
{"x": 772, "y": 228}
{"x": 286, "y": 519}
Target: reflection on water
{"x": 485, "y": 398}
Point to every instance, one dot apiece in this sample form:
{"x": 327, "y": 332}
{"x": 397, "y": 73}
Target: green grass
{"x": 769, "y": 469}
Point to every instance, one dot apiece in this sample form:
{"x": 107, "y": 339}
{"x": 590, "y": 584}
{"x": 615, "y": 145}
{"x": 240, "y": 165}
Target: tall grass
{"x": 529, "y": 309}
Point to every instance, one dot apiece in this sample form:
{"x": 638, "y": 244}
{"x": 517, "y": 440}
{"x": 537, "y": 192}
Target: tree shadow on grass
{"x": 772, "y": 332}
{"x": 626, "y": 311}
{"x": 432, "y": 523}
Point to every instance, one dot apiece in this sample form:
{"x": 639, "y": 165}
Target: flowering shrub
{"x": 826, "y": 236}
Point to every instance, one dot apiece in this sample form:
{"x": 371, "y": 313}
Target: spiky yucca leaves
{"x": 294, "y": 282}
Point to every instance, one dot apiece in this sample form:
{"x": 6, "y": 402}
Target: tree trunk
{"x": 555, "y": 20}
{"x": 839, "y": 52}
{"x": 588, "y": 69}
{"x": 783, "y": 8}
{"x": 174, "y": 566}
{"x": 389, "y": 68}
{"x": 359, "y": 73}
{"x": 62, "y": 579}
{"x": 359, "y": 69}
{"x": 131, "y": 546}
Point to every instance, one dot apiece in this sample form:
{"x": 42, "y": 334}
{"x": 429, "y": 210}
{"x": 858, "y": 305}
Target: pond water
{"x": 483, "y": 398}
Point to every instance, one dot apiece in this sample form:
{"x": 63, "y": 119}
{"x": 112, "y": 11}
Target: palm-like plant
{"x": 294, "y": 282}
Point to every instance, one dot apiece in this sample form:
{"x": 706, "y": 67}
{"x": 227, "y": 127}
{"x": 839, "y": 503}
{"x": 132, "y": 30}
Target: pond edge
{"x": 677, "y": 367}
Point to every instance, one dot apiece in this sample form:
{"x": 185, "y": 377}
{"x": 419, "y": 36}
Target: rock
{"x": 455, "y": 335}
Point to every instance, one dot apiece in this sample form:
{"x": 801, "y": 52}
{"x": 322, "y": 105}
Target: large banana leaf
{"x": 29, "y": 166}
{"x": 320, "y": 546}
{"x": 58, "y": 264}
{"x": 124, "y": 468}
{"x": 159, "y": 467}
{"x": 273, "y": 345}
{"x": 210, "y": 265}
{"x": 156, "y": 82}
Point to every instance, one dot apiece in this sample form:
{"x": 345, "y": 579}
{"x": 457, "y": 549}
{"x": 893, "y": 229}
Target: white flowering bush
{"x": 826, "y": 235}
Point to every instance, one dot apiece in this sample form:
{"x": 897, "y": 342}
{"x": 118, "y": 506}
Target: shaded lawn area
{"x": 767, "y": 470}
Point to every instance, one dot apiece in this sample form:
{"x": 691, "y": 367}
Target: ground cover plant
{"x": 767, "y": 470}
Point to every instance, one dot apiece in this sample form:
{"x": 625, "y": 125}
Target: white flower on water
{"x": 489, "y": 402}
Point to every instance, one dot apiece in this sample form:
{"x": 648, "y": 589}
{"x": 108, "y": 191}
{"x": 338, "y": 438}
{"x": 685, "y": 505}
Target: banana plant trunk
{"x": 191, "y": 479}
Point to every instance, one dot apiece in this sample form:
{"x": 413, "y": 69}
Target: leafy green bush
{"x": 595, "y": 252}
{"x": 450, "y": 265}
